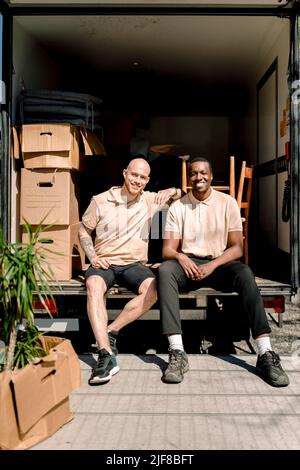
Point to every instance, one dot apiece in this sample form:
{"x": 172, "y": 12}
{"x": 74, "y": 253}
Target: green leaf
{"x": 24, "y": 275}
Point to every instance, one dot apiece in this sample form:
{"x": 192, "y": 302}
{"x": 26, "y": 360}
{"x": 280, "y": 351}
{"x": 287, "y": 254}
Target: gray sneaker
{"x": 178, "y": 365}
{"x": 268, "y": 367}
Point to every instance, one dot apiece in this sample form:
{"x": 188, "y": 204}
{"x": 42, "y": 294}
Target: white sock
{"x": 175, "y": 342}
{"x": 263, "y": 344}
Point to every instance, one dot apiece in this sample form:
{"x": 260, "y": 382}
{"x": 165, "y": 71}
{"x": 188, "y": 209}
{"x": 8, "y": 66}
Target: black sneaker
{"x": 268, "y": 367}
{"x": 112, "y": 336}
{"x": 178, "y": 365}
{"x": 106, "y": 367}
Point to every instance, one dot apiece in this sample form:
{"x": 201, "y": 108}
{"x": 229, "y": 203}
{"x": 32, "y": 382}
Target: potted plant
{"x": 46, "y": 369}
{"x": 24, "y": 274}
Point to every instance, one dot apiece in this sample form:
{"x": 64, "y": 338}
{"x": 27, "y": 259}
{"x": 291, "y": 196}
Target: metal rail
{"x": 266, "y": 288}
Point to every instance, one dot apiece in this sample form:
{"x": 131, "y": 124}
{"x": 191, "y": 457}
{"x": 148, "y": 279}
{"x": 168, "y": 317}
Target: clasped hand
{"x": 103, "y": 263}
{"x": 193, "y": 271}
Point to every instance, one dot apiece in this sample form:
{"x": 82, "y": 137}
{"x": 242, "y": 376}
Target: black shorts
{"x": 130, "y": 276}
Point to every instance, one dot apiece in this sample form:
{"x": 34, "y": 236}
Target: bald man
{"x": 122, "y": 219}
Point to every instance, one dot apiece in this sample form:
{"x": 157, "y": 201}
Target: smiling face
{"x": 201, "y": 176}
{"x": 136, "y": 176}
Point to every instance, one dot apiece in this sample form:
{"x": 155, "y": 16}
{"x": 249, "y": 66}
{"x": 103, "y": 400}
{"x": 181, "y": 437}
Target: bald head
{"x": 136, "y": 176}
{"x": 139, "y": 164}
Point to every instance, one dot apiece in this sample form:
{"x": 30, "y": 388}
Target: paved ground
{"x": 222, "y": 404}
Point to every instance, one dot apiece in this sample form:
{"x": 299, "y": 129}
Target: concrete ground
{"x": 221, "y": 404}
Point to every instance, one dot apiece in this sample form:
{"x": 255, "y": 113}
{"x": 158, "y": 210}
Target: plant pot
{"x": 34, "y": 401}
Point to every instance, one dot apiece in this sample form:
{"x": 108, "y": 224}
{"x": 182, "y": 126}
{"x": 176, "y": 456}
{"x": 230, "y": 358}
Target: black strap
{"x": 286, "y": 201}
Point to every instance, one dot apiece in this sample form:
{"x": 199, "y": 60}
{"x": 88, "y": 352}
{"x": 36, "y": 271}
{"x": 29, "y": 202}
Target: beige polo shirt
{"x": 203, "y": 226}
{"x": 122, "y": 228}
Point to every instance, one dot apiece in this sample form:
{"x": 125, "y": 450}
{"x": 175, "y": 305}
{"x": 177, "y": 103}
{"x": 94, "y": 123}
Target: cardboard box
{"x": 52, "y": 195}
{"x": 68, "y": 257}
{"x": 34, "y": 401}
{"x": 15, "y": 148}
{"x": 92, "y": 145}
{"x": 58, "y": 146}
{"x": 51, "y": 146}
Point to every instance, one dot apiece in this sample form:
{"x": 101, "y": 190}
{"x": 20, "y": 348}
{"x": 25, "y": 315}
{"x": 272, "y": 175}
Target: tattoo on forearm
{"x": 88, "y": 248}
{"x": 86, "y": 243}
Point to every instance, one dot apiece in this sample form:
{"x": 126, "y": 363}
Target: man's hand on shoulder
{"x": 165, "y": 195}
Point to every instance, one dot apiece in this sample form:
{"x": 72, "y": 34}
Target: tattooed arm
{"x": 86, "y": 242}
{"x": 87, "y": 245}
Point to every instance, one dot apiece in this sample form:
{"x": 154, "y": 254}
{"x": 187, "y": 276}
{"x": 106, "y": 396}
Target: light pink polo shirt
{"x": 122, "y": 229}
{"x": 203, "y": 226}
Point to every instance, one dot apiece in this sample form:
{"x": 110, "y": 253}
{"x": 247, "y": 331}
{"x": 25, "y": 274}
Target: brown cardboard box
{"x": 52, "y": 146}
{"x": 51, "y": 193}
{"x": 58, "y": 146}
{"x": 69, "y": 256}
{"x": 15, "y": 148}
{"x": 92, "y": 145}
{"x": 34, "y": 401}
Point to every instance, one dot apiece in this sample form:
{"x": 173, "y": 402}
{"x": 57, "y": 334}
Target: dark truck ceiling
{"x": 187, "y": 60}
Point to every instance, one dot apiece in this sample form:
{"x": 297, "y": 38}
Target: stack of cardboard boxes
{"x": 53, "y": 157}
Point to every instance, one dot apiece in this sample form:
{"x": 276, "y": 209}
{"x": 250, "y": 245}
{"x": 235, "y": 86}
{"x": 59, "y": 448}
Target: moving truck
{"x": 214, "y": 78}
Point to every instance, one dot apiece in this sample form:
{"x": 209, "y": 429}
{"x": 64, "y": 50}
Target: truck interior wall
{"x": 268, "y": 199}
{"x": 271, "y": 252}
{"x": 280, "y": 49}
{"x": 33, "y": 68}
{"x": 267, "y": 203}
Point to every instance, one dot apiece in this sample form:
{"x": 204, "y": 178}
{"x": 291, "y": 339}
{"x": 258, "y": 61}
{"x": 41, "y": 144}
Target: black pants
{"x": 231, "y": 277}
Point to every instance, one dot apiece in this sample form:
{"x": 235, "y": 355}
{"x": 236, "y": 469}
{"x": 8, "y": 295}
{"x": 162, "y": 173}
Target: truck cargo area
{"x": 167, "y": 79}
{"x": 212, "y": 85}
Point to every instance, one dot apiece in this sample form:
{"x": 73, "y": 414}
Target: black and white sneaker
{"x": 268, "y": 367}
{"x": 112, "y": 336}
{"x": 106, "y": 367}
